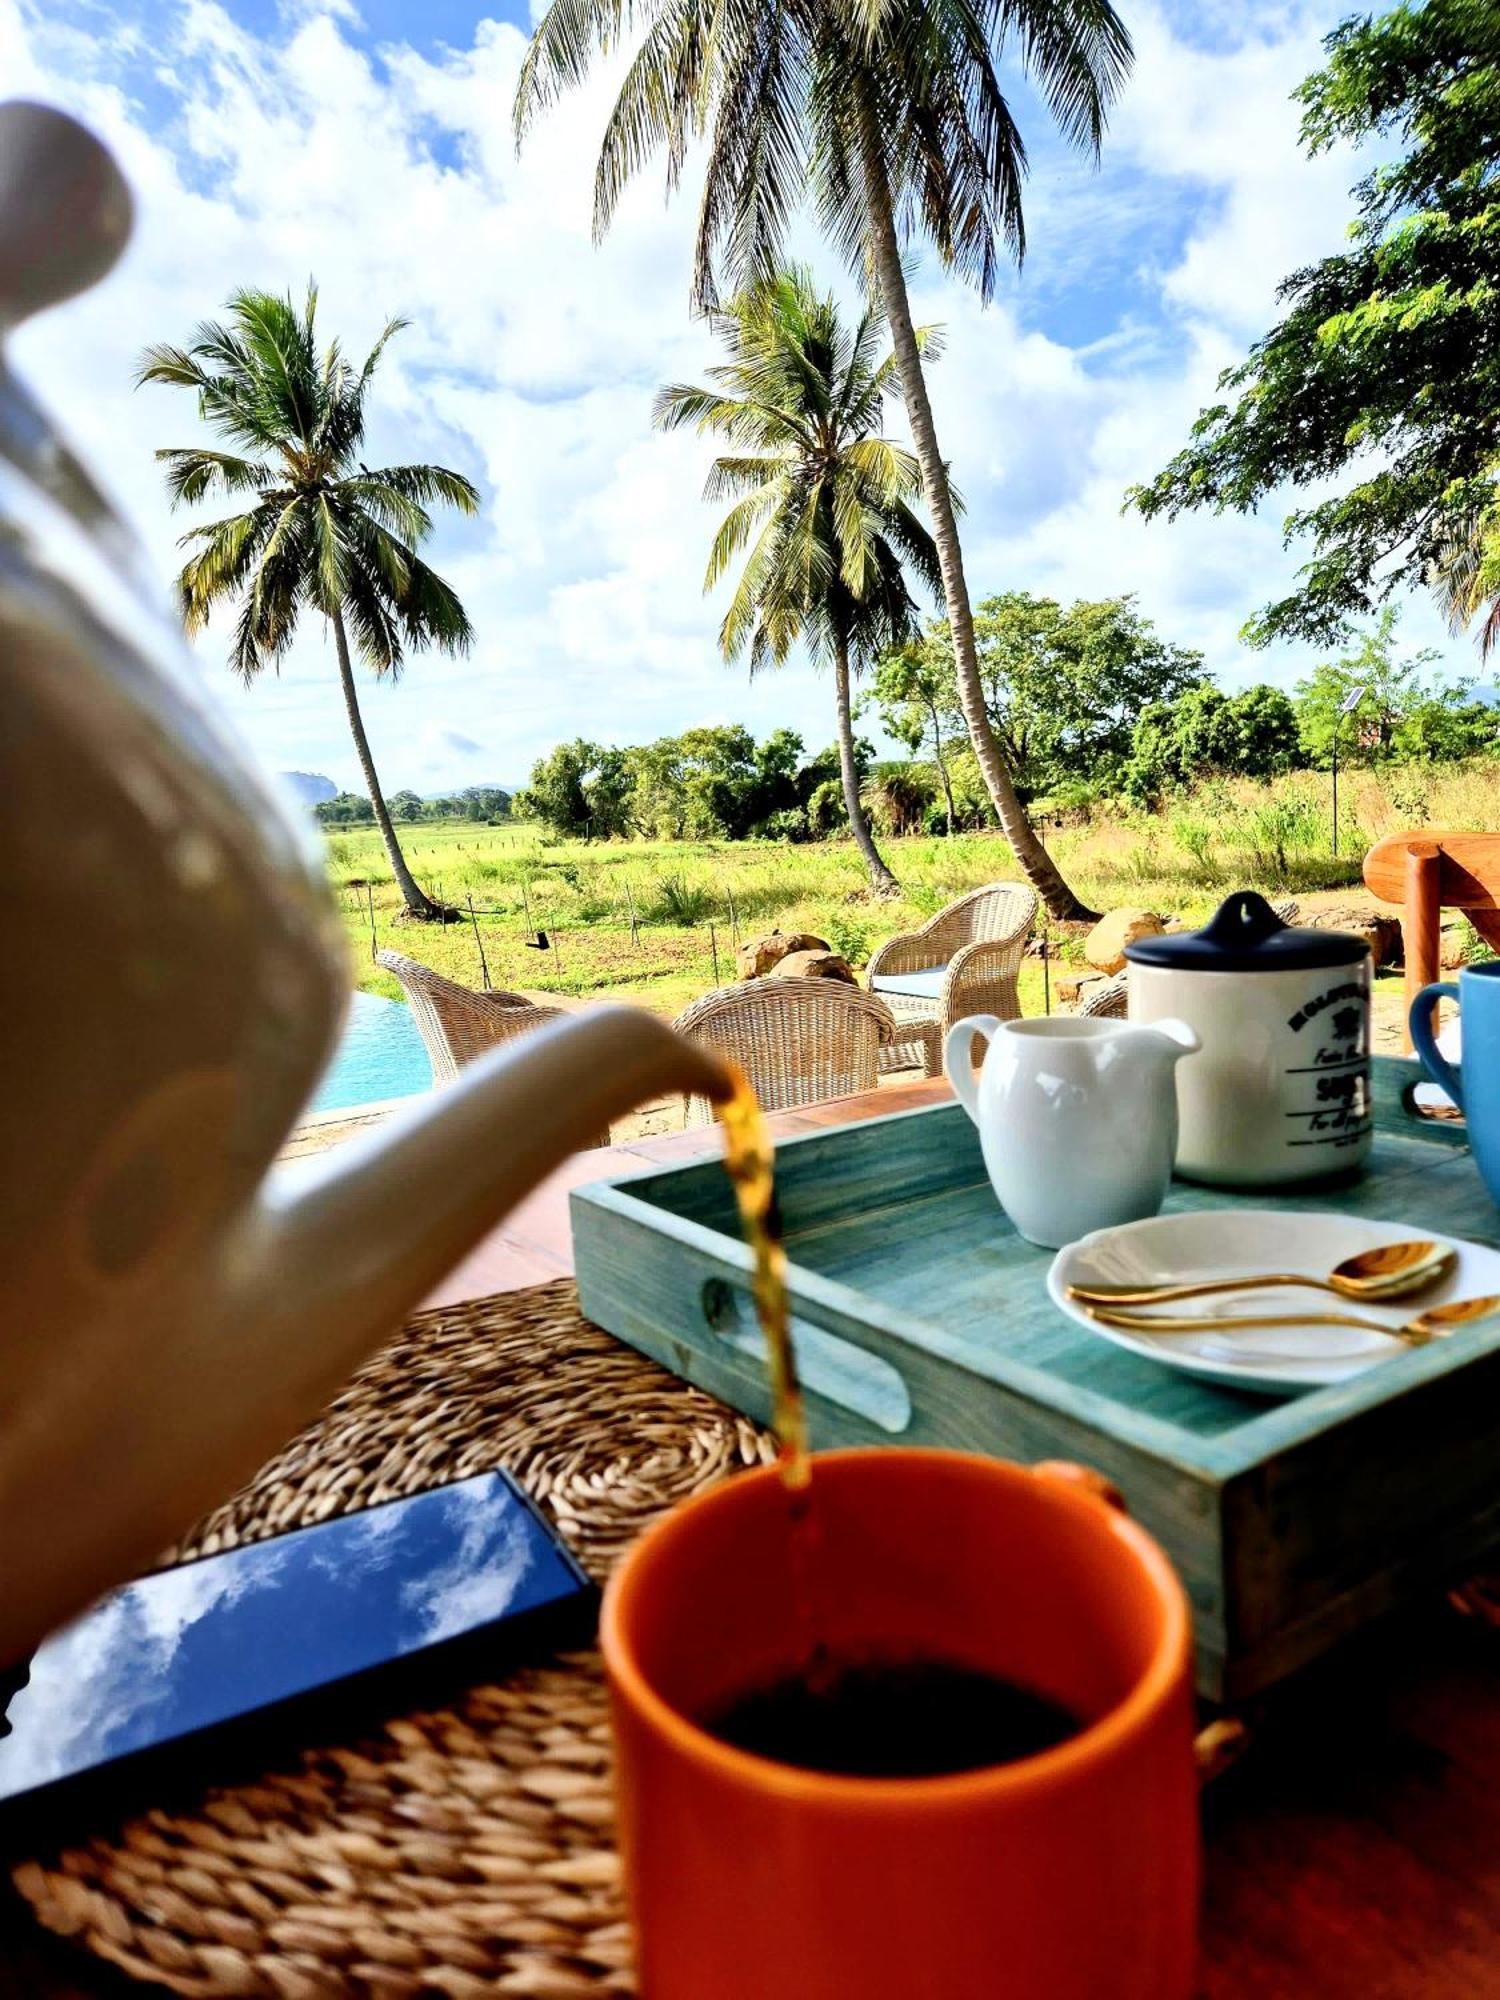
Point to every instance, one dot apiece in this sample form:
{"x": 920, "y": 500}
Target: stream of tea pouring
{"x": 750, "y": 1160}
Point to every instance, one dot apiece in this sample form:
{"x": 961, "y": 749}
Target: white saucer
{"x": 1211, "y": 1243}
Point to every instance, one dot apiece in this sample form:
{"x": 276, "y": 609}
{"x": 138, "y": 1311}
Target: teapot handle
{"x": 958, "y": 1059}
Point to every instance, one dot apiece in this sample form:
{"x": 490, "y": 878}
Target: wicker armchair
{"x": 798, "y": 1040}
{"x": 457, "y": 1024}
{"x": 965, "y": 960}
{"x": 1109, "y": 999}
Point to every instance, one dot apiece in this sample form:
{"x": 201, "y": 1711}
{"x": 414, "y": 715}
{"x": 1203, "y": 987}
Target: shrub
{"x": 673, "y": 899}
{"x": 849, "y": 939}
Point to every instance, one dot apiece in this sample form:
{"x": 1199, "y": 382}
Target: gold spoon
{"x": 1430, "y": 1325}
{"x": 1389, "y": 1271}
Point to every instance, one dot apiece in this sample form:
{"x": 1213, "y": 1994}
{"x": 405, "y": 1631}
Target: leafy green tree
{"x": 406, "y": 808}
{"x": 1063, "y": 685}
{"x": 893, "y": 121}
{"x": 555, "y": 794}
{"x": 822, "y": 511}
{"x": 1380, "y": 382}
{"x": 321, "y": 532}
{"x": 487, "y": 802}
{"x": 1264, "y": 736}
{"x": 1382, "y": 685}
{"x": 1206, "y": 733}
{"x": 348, "y": 809}
{"x": 902, "y": 795}
{"x": 915, "y": 694}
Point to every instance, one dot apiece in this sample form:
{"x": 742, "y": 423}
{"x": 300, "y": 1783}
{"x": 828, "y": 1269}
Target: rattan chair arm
{"x": 904, "y": 953}
{"x": 984, "y": 964}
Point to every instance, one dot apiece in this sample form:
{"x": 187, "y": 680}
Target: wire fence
{"x": 546, "y": 940}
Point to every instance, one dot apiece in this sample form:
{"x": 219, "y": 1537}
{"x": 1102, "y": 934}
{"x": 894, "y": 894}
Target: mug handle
{"x": 958, "y": 1059}
{"x": 1220, "y": 1742}
{"x": 1423, "y": 1040}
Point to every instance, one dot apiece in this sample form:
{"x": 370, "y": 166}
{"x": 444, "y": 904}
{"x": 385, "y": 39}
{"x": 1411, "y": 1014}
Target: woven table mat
{"x": 460, "y": 1852}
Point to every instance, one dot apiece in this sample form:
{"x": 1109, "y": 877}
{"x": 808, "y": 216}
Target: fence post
{"x": 484, "y": 964}
{"x": 713, "y": 945}
{"x": 370, "y": 894}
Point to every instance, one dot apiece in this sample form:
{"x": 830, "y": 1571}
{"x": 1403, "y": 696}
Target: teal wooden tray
{"x": 920, "y": 1315}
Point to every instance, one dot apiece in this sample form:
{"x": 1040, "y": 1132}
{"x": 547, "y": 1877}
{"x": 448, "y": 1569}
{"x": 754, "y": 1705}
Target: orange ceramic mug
{"x": 1072, "y": 1875}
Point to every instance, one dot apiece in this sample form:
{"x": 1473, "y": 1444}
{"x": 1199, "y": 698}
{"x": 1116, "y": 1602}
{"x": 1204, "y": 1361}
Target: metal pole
{"x": 370, "y": 893}
{"x": 1336, "y": 721}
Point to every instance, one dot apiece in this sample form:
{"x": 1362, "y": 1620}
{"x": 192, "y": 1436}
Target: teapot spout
{"x": 342, "y": 1247}
{"x": 322, "y": 1266}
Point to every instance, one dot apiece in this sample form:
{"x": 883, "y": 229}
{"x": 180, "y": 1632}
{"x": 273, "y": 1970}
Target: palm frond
{"x": 192, "y": 473}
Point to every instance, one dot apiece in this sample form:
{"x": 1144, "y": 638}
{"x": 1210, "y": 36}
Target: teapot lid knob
{"x": 1241, "y": 922}
{"x": 65, "y": 211}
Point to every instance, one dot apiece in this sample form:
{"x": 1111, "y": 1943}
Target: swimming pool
{"x": 380, "y": 1055}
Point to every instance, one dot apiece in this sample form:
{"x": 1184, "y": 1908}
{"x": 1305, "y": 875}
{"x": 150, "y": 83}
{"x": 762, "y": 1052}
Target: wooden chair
{"x": 798, "y": 1040}
{"x": 1426, "y": 873}
{"x": 965, "y": 960}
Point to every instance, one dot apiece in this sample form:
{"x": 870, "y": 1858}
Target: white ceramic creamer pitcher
{"x": 1077, "y": 1117}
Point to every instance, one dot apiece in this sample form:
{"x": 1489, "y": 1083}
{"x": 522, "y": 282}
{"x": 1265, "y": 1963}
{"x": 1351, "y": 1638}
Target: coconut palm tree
{"x": 321, "y": 531}
{"x": 1466, "y": 577}
{"x": 891, "y": 116}
{"x": 822, "y": 503}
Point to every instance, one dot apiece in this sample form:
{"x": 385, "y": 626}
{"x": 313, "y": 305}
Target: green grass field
{"x": 689, "y": 898}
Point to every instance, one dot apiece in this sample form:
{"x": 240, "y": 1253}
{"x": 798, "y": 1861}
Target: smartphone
{"x": 202, "y": 1673}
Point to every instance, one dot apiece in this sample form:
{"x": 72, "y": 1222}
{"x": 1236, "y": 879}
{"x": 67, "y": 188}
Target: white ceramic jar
{"x": 1280, "y": 1090}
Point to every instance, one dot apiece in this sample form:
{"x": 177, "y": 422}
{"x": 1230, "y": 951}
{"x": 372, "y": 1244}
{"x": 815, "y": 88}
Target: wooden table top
{"x": 1353, "y": 1855}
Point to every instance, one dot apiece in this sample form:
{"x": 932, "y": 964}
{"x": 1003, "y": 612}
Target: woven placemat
{"x": 461, "y": 1852}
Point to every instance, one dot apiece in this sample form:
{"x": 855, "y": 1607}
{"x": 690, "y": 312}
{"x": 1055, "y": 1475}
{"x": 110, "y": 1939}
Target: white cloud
{"x": 533, "y": 356}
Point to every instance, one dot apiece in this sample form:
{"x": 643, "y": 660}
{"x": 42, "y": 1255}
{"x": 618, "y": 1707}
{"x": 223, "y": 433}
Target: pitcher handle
{"x": 958, "y": 1060}
{"x": 1424, "y": 1042}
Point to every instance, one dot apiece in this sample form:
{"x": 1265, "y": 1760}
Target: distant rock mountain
{"x": 310, "y": 787}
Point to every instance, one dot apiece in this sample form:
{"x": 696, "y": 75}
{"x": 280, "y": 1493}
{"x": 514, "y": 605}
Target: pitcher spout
{"x": 1162, "y": 1041}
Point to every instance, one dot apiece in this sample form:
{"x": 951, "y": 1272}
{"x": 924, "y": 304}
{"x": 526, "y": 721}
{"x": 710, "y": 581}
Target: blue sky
{"x": 370, "y": 144}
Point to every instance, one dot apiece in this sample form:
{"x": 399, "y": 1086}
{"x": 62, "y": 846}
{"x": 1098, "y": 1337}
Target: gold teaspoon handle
{"x": 1203, "y": 1323}
{"x": 1201, "y": 1288}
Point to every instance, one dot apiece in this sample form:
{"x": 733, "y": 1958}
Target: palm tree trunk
{"x": 1039, "y": 867}
{"x": 881, "y": 877}
{"x": 942, "y": 764}
{"x": 417, "y": 901}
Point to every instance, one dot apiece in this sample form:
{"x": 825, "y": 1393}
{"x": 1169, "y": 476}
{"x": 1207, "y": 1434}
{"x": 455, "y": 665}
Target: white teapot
{"x": 171, "y": 1307}
{"x": 1077, "y": 1117}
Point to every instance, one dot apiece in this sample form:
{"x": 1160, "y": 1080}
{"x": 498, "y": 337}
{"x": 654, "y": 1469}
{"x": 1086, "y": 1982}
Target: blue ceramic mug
{"x": 1474, "y": 1085}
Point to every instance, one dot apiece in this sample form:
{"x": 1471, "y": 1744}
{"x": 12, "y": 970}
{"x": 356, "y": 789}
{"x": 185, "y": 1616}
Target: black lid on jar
{"x": 1246, "y": 935}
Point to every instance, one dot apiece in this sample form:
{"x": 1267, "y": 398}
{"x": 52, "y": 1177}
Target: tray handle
{"x": 858, "y": 1379}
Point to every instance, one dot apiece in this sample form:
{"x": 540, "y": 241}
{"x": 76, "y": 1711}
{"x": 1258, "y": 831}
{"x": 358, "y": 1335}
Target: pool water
{"x": 380, "y": 1055}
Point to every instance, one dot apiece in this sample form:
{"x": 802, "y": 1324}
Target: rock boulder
{"x": 815, "y": 965}
{"x": 759, "y": 956}
{"x": 1104, "y": 947}
{"x": 1380, "y": 931}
